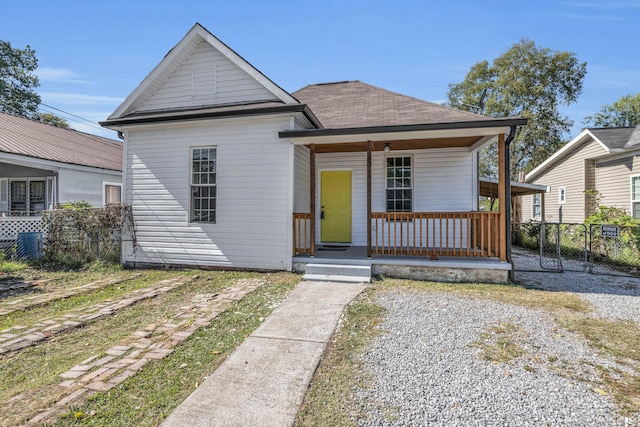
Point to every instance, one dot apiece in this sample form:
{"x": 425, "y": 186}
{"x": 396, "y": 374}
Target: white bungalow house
{"x": 42, "y": 165}
{"x": 223, "y": 168}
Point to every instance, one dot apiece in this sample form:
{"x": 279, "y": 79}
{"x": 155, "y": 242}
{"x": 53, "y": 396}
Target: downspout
{"x": 507, "y": 202}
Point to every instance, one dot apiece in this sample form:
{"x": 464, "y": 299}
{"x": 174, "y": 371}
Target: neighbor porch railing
{"x": 471, "y": 234}
{"x": 10, "y": 226}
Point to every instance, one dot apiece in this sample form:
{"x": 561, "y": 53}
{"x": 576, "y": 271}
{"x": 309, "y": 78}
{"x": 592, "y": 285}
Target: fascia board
{"x": 582, "y": 137}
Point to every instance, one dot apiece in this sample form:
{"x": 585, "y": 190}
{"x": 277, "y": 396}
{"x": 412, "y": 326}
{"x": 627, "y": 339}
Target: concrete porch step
{"x": 337, "y": 273}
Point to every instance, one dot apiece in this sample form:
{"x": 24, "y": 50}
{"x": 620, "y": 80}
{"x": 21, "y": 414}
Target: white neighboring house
{"x": 42, "y": 165}
{"x": 223, "y": 168}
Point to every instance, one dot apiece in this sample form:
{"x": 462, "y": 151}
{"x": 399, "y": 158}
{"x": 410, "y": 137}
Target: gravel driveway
{"x": 426, "y": 369}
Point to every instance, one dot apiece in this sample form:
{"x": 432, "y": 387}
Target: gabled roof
{"x": 34, "y": 139}
{"x": 612, "y": 140}
{"x": 173, "y": 91}
{"x": 176, "y": 57}
{"x": 353, "y": 104}
{"x": 634, "y": 140}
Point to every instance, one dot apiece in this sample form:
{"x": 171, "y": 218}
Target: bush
{"x": 611, "y": 215}
{"x": 78, "y": 235}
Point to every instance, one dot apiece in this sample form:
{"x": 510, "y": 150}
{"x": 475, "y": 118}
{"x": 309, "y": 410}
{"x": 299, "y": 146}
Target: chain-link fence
{"x": 614, "y": 249}
{"x": 88, "y": 234}
{"x": 600, "y": 249}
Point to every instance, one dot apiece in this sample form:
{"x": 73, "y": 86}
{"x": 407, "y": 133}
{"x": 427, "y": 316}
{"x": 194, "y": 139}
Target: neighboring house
{"x": 42, "y": 165}
{"x": 223, "y": 168}
{"x": 598, "y": 166}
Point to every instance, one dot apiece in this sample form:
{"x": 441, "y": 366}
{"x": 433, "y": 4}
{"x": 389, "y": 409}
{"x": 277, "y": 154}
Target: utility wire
{"x": 91, "y": 123}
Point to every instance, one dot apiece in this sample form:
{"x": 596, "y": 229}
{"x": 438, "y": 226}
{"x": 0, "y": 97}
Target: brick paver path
{"x": 103, "y": 372}
{"x": 10, "y": 287}
{"x": 18, "y": 337}
{"x": 40, "y": 299}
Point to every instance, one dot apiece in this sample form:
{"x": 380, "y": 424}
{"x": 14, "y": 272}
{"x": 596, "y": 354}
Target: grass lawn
{"x": 29, "y": 378}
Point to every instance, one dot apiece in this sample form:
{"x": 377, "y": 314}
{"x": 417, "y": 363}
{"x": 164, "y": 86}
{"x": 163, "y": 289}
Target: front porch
{"x": 407, "y": 200}
{"x": 416, "y": 267}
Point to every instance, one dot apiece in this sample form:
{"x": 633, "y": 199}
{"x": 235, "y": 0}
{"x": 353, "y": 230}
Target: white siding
{"x": 253, "y": 176}
{"x": 443, "y": 181}
{"x": 569, "y": 173}
{"x": 206, "y": 78}
{"x": 74, "y": 185}
{"x": 301, "y": 200}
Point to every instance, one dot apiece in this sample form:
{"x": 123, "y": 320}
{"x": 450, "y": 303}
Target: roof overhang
{"x": 50, "y": 165}
{"x": 585, "y": 135}
{"x": 489, "y": 188}
{"x": 471, "y": 134}
{"x": 209, "y": 113}
{"x": 617, "y": 155}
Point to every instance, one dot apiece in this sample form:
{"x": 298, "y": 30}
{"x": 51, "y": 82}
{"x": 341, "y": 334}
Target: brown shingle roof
{"x": 356, "y": 104}
{"x": 34, "y": 139}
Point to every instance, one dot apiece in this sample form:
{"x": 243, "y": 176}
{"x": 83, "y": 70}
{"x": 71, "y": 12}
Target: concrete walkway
{"x": 264, "y": 380}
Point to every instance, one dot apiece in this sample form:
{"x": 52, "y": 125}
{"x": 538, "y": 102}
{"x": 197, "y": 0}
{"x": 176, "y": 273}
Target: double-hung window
{"x": 399, "y": 184}
{"x": 635, "y": 196}
{"x": 203, "y": 184}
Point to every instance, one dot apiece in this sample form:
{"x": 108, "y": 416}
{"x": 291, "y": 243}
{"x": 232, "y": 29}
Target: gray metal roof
{"x": 613, "y": 138}
{"x": 42, "y": 141}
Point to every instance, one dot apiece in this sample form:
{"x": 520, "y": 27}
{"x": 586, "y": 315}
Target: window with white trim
{"x": 203, "y": 184}
{"x": 399, "y": 184}
{"x": 27, "y": 195}
{"x": 635, "y": 196}
{"x": 537, "y": 206}
{"x": 562, "y": 195}
{"x": 112, "y": 193}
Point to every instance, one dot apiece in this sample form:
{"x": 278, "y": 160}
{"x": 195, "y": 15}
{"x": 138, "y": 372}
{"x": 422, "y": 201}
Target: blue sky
{"x": 92, "y": 54}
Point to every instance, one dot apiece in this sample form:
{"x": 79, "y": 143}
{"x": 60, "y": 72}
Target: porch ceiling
{"x": 489, "y": 188}
{"x": 405, "y": 144}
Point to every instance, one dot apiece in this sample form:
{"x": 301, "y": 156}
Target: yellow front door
{"x": 335, "y": 203}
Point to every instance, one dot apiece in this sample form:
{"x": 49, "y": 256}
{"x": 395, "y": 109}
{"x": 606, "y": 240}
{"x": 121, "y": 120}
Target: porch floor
{"x": 357, "y": 255}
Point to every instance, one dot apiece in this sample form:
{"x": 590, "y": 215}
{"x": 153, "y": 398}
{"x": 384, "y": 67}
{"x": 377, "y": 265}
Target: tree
{"x": 53, "y": 120}
{"x": 17, "y": 81}
{"x": 525, "y": 81}
{"x": 624, "y": 112}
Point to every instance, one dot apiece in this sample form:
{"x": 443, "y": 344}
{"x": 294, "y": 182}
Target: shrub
{"x": 79, "y": 235}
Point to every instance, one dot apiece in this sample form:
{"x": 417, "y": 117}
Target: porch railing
{"x": 472, "y": 234}
{"x": 10, "y": 226}
{"x": 301, "y": 233}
